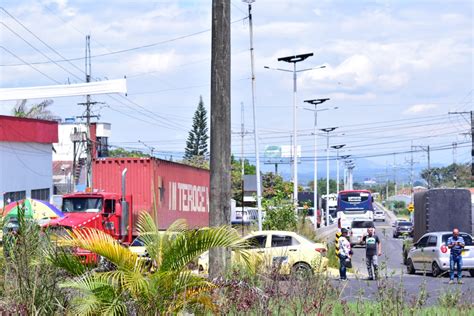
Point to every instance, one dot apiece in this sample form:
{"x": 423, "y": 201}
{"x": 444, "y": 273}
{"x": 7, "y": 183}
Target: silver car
{"x": 431, "y": 254}
{"x": 379, "y": 215}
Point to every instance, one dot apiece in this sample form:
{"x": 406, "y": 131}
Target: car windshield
{"x": 362, "y": 224}
{"x": 405, "y": 224}
{"x": 467, "y": 238}
{"x": 82, "y": 205}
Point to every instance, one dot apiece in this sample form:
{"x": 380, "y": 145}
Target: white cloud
{"x": 420, "y": 108}
{"x": 153, "y": 62}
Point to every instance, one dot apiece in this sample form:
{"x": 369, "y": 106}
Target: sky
{"x": 393, "y": 69}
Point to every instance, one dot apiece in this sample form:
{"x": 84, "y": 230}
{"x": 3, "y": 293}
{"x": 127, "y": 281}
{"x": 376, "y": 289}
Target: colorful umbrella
{"x": 34, "y": 209}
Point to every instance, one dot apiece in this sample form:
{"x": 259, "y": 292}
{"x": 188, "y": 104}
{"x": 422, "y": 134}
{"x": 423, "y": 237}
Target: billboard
{"x": 283, "y": 151}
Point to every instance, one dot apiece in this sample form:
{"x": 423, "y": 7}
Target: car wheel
{"x": 301, "y": 270}
{"x": 435, "y": 270}
{"x": 471, "y": 272}
{"x": 410, "y": 267}
{"x": 395, "y": 236}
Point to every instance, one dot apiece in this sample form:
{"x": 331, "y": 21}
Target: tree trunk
{"x": 220, "y": 192}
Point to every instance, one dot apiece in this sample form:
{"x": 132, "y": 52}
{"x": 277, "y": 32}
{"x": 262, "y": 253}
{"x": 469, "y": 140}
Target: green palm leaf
{"x": 102, "y": 244}
{"x": 96, "y": 297}
{"x": 190, "y": 244}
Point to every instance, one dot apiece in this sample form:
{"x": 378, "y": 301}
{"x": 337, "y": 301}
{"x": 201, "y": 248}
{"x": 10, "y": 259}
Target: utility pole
{"x": 471, "y": 114}
{"x": 255, "y": 129}
{"x": 88, "y": 113}
{"x": 242, "y": 135}
{"x": 88, "y": 116}
{"x": 220, "y": 190}
{"x": 412, "y": 175}
{"x": 152, "y": 149}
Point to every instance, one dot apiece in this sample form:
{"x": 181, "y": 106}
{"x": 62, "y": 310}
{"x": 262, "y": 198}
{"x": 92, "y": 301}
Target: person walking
{"x": 345, "y": 253}
{"x": 456, "y": 244}
{"x": 373, "y": 249}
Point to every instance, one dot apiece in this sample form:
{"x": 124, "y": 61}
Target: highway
{"x": 393, "y": 273}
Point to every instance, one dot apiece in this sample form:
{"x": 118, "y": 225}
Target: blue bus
{"x": 354, "y": 204}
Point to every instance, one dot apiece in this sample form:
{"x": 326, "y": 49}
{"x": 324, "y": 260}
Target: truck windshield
{"x": 82, "y": 205}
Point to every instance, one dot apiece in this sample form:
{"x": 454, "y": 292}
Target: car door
{"x": 430, "y": 252}
{"x": 257, "y": 244}
{"x": 284, "y": 251}
{"x": 418, "y": 252}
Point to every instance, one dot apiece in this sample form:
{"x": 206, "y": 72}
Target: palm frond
{"x": 96, "y": 297}
{"x": 190, "y": 244}
{"x": 102, "y": 244}
{"x": 132, "y": 281}
{"x": 61, "y": 258}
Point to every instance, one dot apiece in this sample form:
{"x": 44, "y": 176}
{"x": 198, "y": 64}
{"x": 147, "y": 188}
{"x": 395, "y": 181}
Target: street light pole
{"x": 337, "y": 147}
{"x": 316, "y": 102}
{"x": 295, "y": 59}
{"x": 327, "y": 131}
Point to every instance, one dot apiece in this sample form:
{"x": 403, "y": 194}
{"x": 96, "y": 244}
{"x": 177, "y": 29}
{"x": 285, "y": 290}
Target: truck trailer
{"x": 442, "y": 210}
{"x": 125, "y": 187}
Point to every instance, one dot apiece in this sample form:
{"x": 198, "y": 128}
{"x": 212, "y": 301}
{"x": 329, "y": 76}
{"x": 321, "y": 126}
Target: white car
{"x": 430, "y": 254}
{"x": 379, "y": 215}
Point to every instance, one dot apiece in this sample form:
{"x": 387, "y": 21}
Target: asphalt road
{"x": 393, "y": 273}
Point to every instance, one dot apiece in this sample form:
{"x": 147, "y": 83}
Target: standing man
{"x": 373, "y": 249}
{"x": 456, "y": 244}
{"x": 345, "y": 253}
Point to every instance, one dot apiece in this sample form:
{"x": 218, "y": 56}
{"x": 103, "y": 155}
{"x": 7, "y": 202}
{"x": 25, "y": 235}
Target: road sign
{"x": 411, "y": 207}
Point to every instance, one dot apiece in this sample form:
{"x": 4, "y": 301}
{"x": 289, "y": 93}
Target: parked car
{"x": 431, "y": 254}
{"x": 138, "y": 247}
{"x": 358, "y": 230}
{"x": 379, "y": 215}
{"x": 290, "y": 252}
{"x": 402, "y": 227}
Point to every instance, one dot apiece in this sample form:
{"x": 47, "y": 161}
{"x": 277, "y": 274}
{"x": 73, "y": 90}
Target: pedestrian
{"x": 456, "y": 244}
{"x": 345, "y": 254}
{"x": 373, "y": 249}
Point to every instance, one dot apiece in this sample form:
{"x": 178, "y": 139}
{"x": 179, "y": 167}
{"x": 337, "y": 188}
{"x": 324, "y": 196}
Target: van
{"x": 358, "y": 230}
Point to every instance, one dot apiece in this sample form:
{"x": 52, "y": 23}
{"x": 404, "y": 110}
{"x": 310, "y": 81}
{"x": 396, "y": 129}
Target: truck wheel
{"x": 435, "y": 270}
{"x": 410, "y": 267}
{"x": 471, "y": 272}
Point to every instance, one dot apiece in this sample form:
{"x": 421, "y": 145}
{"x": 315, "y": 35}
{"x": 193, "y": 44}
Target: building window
{"x": 40, "y": 194}
{"x": 102, "y": 147}
{"x": 10, "y": 197}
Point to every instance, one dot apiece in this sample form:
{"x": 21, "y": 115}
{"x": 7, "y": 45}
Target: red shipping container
{"x": 167, "y": 190}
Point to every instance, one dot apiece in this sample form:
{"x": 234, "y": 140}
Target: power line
{"x": 39, "y": 39}
{"x": 122, "y": 50}
{"x": 26, "y": 63}
{"x": 39, "y": 51}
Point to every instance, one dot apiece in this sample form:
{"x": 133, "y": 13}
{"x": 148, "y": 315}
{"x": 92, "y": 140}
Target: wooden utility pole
{"x": 220, "y": 195}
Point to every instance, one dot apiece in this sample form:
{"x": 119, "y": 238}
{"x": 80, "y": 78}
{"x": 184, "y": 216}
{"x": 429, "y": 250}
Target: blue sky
{"x": 393, "y": 68}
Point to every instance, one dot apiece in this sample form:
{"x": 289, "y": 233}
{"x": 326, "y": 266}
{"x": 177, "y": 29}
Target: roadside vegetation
{"x": 41, "y": 276}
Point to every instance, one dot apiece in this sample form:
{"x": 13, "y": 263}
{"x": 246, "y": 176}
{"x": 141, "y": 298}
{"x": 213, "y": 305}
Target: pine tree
{"x": 196, "y": 145}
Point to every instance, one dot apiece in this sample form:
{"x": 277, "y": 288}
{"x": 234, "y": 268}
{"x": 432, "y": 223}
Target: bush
{"x": 30, "y": 279}
{"x": 279, "y": 214}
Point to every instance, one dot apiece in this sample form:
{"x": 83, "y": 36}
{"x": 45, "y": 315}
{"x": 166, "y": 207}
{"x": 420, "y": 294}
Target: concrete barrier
{"x": 327, "y": 233}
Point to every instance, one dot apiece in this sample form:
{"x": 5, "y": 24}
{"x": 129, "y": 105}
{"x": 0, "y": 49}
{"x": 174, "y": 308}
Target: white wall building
{"x": 26, "y": 158}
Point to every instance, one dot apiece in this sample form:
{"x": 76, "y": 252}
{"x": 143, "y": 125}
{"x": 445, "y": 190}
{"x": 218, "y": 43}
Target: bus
{"x": 354, "y": 204}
